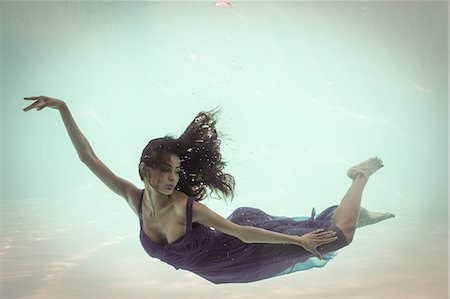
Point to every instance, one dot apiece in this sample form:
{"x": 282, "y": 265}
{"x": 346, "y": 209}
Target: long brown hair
{"x": 198, "y": 148}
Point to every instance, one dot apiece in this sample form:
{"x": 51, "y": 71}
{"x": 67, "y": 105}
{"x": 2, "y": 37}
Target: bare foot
{"x": 365, "y": 168}
{"x": 367, "y": 217}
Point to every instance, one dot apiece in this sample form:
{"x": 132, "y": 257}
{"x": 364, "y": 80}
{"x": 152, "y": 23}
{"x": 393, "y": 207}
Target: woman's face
{"x": 165, "y": 178}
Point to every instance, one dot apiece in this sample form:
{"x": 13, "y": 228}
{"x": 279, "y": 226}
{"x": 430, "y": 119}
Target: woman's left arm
{"x": 251, "y": 234}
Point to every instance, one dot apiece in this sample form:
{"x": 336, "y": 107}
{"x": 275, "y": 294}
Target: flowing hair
{"x": 198, "y": 148}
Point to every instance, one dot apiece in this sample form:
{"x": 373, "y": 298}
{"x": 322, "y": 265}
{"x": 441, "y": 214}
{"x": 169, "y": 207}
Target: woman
{"x": 247, "y": 246}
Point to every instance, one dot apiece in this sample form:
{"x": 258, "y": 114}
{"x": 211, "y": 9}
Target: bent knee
{"x": 348, "y": 231}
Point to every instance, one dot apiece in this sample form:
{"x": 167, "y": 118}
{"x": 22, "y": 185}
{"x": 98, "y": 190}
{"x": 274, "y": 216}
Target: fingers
{"x": 320, "y": 234}
{"x": 39, "y": 104}
{"x": 317, "y": 238}
{"x": 33, "y": 98}
{"x": 30, "y": 107}
{"x": 34, "y": 105}
{"x": 328, "y": 240}
{"x": 317, "y": 254}
{"x": 329, "y": 232}
{"x": 321, "y": 237}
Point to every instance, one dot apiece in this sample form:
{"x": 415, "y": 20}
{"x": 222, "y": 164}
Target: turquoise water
{"x": 307, "y": 89}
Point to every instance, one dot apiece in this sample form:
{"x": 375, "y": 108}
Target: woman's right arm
{"x": 84, "y": 150}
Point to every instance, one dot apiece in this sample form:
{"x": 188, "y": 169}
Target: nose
{"x": 172, "y": 177}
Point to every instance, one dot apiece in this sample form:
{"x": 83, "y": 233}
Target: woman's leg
{"x": 346, "y": 215}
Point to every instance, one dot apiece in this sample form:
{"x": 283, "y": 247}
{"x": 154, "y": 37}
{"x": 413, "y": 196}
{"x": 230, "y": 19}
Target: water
{"x": 306, "y": 90}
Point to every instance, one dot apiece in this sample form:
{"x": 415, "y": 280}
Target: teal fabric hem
{"x": 312, "y": 262}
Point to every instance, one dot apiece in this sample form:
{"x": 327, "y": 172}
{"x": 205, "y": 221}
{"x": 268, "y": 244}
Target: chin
{"x": 166, "y": 192}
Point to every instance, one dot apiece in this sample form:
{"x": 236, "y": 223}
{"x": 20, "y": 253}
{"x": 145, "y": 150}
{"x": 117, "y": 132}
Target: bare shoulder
{"x": 134, "y": 195}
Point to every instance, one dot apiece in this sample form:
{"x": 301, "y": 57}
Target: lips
{"x": 170, "y": 186}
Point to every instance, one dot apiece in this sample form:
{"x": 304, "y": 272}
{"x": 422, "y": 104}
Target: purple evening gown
{"x": 222, "y": 258}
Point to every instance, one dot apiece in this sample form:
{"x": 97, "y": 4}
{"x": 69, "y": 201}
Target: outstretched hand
{"x": 42, "y": 101}
{"x": 312, "y": 240}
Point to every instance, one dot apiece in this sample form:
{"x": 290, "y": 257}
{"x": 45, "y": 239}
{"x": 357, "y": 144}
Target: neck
{"x": 154, "y": 200}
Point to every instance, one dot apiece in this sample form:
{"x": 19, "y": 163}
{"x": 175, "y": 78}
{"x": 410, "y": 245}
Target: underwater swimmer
{"x": 178, "y": 229}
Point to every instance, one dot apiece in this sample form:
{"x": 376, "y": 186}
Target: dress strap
{"x": 189, "y": 205}
{"x": 140, "y": 206}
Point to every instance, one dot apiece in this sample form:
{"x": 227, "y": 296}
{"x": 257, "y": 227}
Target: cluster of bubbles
{"x": 199, "y": 151}
{"x": 200, "y": 157}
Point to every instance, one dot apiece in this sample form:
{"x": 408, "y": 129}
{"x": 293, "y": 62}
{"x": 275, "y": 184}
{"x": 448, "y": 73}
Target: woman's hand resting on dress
{"x": 312, "y": 240}
{"x": 42, "y": 101}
